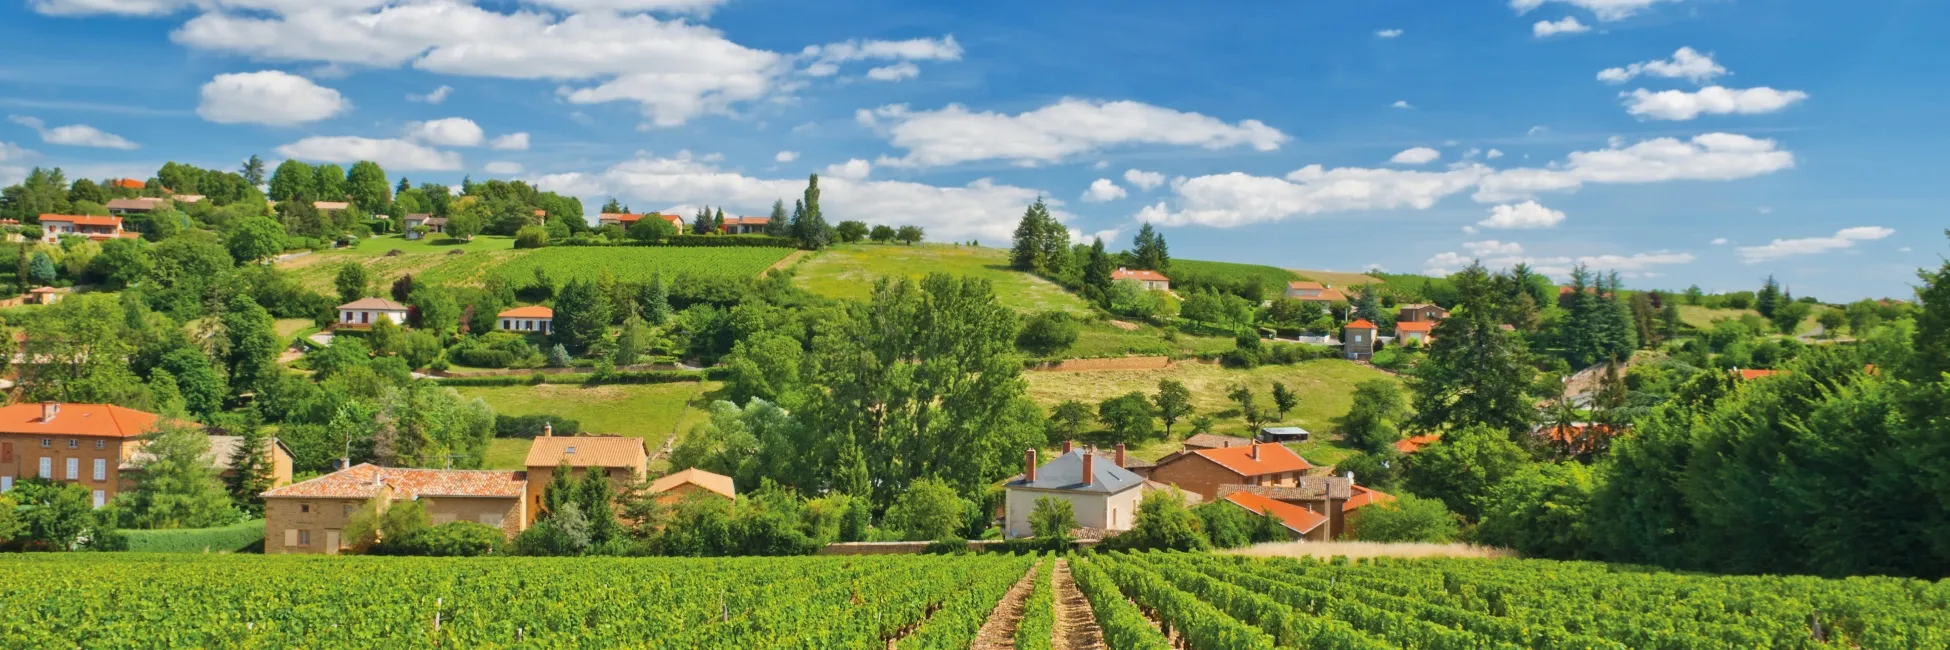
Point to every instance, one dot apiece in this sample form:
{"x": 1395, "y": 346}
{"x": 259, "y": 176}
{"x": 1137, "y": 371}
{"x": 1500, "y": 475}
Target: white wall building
{"x": 1103, "y": 495}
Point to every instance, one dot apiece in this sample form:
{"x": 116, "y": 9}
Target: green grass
{"x": 849, "y": 271}
{"x": 1325, "y": 387}
{"x": 638, "y": 263}
{"x": 1701, "y": 317}
{"x": 1336, "y": 278}
{"x": 487, "y": 256}
{"x": 1099, "y": 340}
{"x": 1227, "y": 273}
{"x": 431, "y": 244}
{"x": 648, "y": 411}
{"x": 227, "y": 539}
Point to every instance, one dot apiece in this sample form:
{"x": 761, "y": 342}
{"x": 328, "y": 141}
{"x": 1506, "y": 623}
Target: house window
{"x": 304, "y": 538}
{"x": 491, "y": 519}
{"x": 101, "y": 469}
{"x": 47, "y": 467}
{"x": 100, "y": 444}
{"x": 348, "y": 510}
{"x": 101, "y": 498}
{"x": 6, "y": 483}
{"x": 74, "y": 444}
{"x": 74, "y": 468}
{"x": 290, "y": 537}
{"x": 47, "y": 442}
{"x": 505, "y": 325}
{"x": 304, "y": 507}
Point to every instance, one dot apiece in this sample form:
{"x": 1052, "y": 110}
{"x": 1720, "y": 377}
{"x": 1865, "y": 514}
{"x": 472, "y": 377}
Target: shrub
{"x": 531, "y": 237}
{"x": 1048, "y": 333}
{"x": 452, "y": 539}
{"x": 227, "y": 539}
{"x": 529, "y": 426}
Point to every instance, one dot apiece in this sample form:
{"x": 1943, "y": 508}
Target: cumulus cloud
{"x": 1065, "y": 129}
{"x": 502, "y": 168}
{"x": 438, "y": 95}
{"x": 1493, "y": 154}
{"x": 1388, "y": 33}
{"x": 895, "y": 72}
{"x": 1606, "y": 10}
{"x": 1719, "y": 241}
{"x": 510, "y": 142}
{"x": 448, "y": 132}
{"x": 1686, "y": 63}
{"x": 1567, "y": 25}
{"x": 1416, "y": 156}
{"x": 1526, "y": 215}
{"x": 1102, "y": 190}
{"x": 950, "y": 213}
{"x": 396, "y": 154}
{"x": 698, "y": 7}
{"x": 1499, "y": 255}
{"x": 75, "y": 135}
{"x": 1143, "y": 180}
{"x": 826, "y": 60}
{"x": 268, "y": 97}
{"x": 1401, "y": 103}
{"x": 1842, "y": 239}
{"x": 1680, "y": 105}
{"x": 855, "y": 169}
{"x": 785, "y": 156}
{"x": 1235, "y": 199}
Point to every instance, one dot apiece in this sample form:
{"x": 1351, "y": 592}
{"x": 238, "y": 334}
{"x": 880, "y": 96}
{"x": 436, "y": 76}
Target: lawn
{"x": 648, "y": 411}
{"x": 638, "y": 263}
{"x": 1325, "y": 387}
{"x": 1099, "y": 340}
{"x": 849, "y": 271}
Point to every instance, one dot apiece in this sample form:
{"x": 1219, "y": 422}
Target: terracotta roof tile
{"x": 718, "y": 483}
{"x": 1360, "y": 496}
{"x": 83, "y": 220}
{"x": 378, "y": 304}
{"x": 364, "y": 480}
{"x": 1141, "y": 275}
{"x": 1211, "y": 441}
{"x": 1295, "y": 518}
{"x": 588, "y": 451}
{"x": 531, "y": 311}
{"x": 1273, "y": 459}
{"x": 1422, "y": 326}
{"x": 76, "y": 420}
{"x": 1360, "y": 323}
{"x": 1414, "y": 444}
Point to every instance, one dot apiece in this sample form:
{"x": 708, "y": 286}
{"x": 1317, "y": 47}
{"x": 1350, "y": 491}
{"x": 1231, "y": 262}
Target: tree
{"x": 1067, "y": 420}
{"x": 909, "y": 235}
{"x": 703, "y": 224}
{"x": 123, "y": 262}
{"x": 328, "y": 182}
{"x": 353, "y": 281}
{"x": 1463, "y": 466}
{"x": 250, "y": 466}
{"x": 1052, "y": 518}
{"x": 1475, "y": 372}
{"x": 1128, "y": 416}
{"x": 1788, "y": 316}
{"x": 611, "y": 206}
{"x": 1283, "y": 400}
{"x": 653, "y": 300}
{"x": 250, "y": 356}
{"x": 809, "y": 225}
{"x": 1768, "y": 298}
{"x": 201, "y": 385}
{"x": 928, "y": 510}
{"x": 652, "y": 229}
{"x": 1243, "y": 396}
{"x": 254, "y": 239}
{"x": 531, "y": 237}
{"x": 849, "y": 231}
{"x": 40, "y": 269}
{"x": 1831, "y": 320}
{"x": 582, "y": 315}
{"x": 292, "y": 182}
{"x": 630, "y": 342}
{"x": 1026, "y": 247}
{"x": 777, "y": 225}
{"x": 558, "y": 356}
{"x": 1096, "y": 271}
{"x": 87, "y": 190}
{"x": 1048, "y": 333}
{"x": 253, "y": 171}
{"x": 1407, "y": 518}
{"x": 1540, "y": 511}
{"x": 1370, "y": 424}
{"x": 467, "y": 221}
{"x": 881, "y": 234}
{"x": 1148, "y": 250}
{"x": 717, "y": 221}
{"x": 177, "y": 487}
{"x": 1174, "y": 402}
{"x": 1163, "y": 523}
{"x": 366, "y": 185}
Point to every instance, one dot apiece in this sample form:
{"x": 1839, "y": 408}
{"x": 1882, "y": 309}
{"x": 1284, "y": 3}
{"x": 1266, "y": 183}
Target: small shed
{"x": 1284, "y": 434}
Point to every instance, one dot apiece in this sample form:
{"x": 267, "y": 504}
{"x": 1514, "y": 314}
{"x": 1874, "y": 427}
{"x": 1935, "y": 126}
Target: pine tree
{"x": 1149, "y": 250}
{"x": 178, "y": 488}
{"x": 701, "y": 224}
{"x": 776, "y": 226}
{"x": 814, "y": 234}
{"x": 717, "y": 222}
{"x": 609, "y": 207}
{"x": 250, "y": 464}
{"x": 1768, "y": 298}
{"x": 653, "y": 300}
{"x": 1026, "y": 248}
{"x": 1096, "y": 273}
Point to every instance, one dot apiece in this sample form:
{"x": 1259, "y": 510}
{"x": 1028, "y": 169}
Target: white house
{"x": 1150, "y": 280}
{"x": 366, "y": 311}
{"x": 97, "y": 228}
{"x": 1103, "y": 495}
{"x": 535, "y": 318}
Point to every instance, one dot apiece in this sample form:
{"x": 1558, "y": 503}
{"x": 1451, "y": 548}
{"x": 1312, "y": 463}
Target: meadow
{"x": 638, "y": 263}
{"x": 486, "y": 256}
{"x": 649, "y": 411}
{"x": 848, "y": 272}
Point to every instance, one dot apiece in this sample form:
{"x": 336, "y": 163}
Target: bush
{"x": 1048, "y": 333}
{"x": 227, "y": 539}
{"x": 452, "y": 539}
{"x": 946, "y": 546}
{"x": 531, "y": 237}
{"x": 1408, "y": 518}
{"x": 529, "y": 426}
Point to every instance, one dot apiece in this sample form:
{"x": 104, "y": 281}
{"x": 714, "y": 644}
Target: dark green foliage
{"x": 1163, "y": 523}
{"x": 1408, "y": 518}
{"x": 1541, "y": 511}
{"x": 848, "y": 231}
{"x": 1475, "y": 372}
{"x": 1128, "y": 417}
{"x": 236, "y": 538}
{"x": 582, "y": 315}
{"x": 1370, "y": 425}
{"x": 1464, "y": 465}
{"x": 1048, "y": 333}
{"x": 1148, "y": 250}
{"x": 1227, "y": 525}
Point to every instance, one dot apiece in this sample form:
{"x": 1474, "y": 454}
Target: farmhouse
{"x": 123, "y": 207}
{"x": 365, "y": 311}
{"x": 89, "y": 444}
{"x": 55, "y": 226}
{"x": 745, "y": 225}
{"x": 533, "y": 318}
{"x": 1103, "y": 495}
{"x": 1314, "y": 292}
{"x": 1314, "y": 508}
{"x": 679, "y": 485}
{"x": 1417, "y": 331}
{"x": 626, "y": 219}
{"x": 1419, "y": 312}
{"x": 432, "y": 223}
{"x": 1212, "y": 441}
{"x": 1203, "y": 471}
{"x": 308, "y": 517}
{"x": 44, "y": 295}
{"x": 1357, "y": 340}
{"x": 623, "y": 460}
{"x": 1150, "y": 280}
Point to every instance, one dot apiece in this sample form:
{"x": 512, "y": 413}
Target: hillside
{"x": 437, "y": 261}
{"x": 649, "y": 411}
{"x": 848, "y": 271}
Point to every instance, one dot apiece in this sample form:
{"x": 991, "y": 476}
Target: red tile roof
{"x": 376, "y": 304}
{"x": 1273, "y": 459}
{"x": 588, "y": 451}
{"x": 83, "y": 220}
{"x": 76, "y": 420}
{"x": 363, "y": 481}
{"x": 1415, "y": 443}
{"x": 531, "y": 311}
{"x": 1359, "y": 496}
{"x": 1754, "y": 373}
{"x": 718, "y": 483}
{"x": 129, "y": 183}
{"x": 1360, "y": 323}
{"x": 1141, "y": 275}
{"x": 1423, "y": 326}
{"x": 1298, "y": 519}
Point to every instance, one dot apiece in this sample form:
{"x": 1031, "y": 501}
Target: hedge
{"x": 626, "y": 377}
{"x": 746, "y": 241}
{"x": 234, "y": 538}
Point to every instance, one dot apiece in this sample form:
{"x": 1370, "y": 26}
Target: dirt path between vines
{"x": 999, "y": 632}
{"x": 784, "y": 263}
{"x": 1076, "y": 623}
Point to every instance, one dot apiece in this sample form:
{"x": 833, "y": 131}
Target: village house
{"x": 1150, "y": 280}
{"x": 1283, "y": 434}
{"x": 626, "y": 219}
{"x": 1418, "y": 331}
{"x": 1414, "y": 444}
{"x": 1357, "y": 340}
{"x": 127, "y": 184}
{"x": 144, "y": 205}
{"x": 679, "y": 485}
{"x": 55, "y": 226}
{"x": 366, "y": 311}
{"x": 533, "y": 318}
{"x": 1103, "y": 495}
{"x": 1314, "y": 292}
{"x": 1314, "y": 508}
{"x": 222, "y": 450}
{"x": 1418, "y": 312}
{"x": 1215, "y": 441}
{"x": 89, "y": 444}
{"x": 44, "y": 295}
{"x": 432, "y": 223}
{"x": 745, "y": 225}
{"x": 1202, "y": 471}
{"x": 309, "y": 516}
{"x": 623, "y": 460}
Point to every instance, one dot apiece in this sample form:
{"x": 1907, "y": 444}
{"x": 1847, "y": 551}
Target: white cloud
{"x": 855, "y": 169}
{"x": 1567, "y": 25}
{"x": 1499, "y": 255}
{"x": 502, "y": 168}
{"x": 1401, "y": 103}
{"x": 10, "y": 155}
{"x": 1493, "y": 154}
{"x": 698, "y": 7}
{"x": 1686, "y": 63}
{"x": 1711, "y": 100}
{"x": 75, "y": 135}
{"x": 393, "y": 154}
{"x": 1719, "y": 241}
{"x": 510, "y": 142}
{"x": 1143, "y": 180}
{"x": 1102, "y": 190}
{"x": 1526, "y": 215}
{"x": 1388, "y": 33}
{"x": 785, "y": 156}
{"x": 1904, "y": 249}
{"x": 268, "y": 97}
{"x": 1493, "y": 248}
{"x": 1842, "y": 239}
{"x": 948, "y": 213}
{"x": 1052, "y": 133}
{"x": 1606, "y": 10}
{"x": 438, "y": 95}
{"x": 895, "y": 72}
{"x": 1106, "y": 236}
{"x": 448, "y": 132}
{"x": 1234, "y": 199}
{"x": 1536, "y": 130}
{"x": 1416, "y": 156}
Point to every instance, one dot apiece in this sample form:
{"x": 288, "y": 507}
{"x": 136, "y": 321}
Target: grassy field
{"x": 487, "y": 256}
{"x": 849, "y": 271}
{"x": 1701, "y": 318}
{"x": 638, "y": 263}
{"x": 1101, "y": 339}
{"x": 1336, "y": 278}
{"x": 1273, "y": 279}
{"x": 434, "y": 244}
{"x": 1326, "y": 389}
{"x": 648, "y": 411}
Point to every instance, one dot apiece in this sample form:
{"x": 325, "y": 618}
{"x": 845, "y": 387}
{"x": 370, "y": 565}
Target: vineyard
{"x": 637, "y": 263}
{"x": 1138, "y": 601}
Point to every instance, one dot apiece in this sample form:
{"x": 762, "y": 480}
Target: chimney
{"x": 1350, "y": 478}
{"x": 1029, "y": 465}
{"x": 548, "y": 430}
{"x": 1120, "y": 454}
{"x": 49, "y": 409}
{"x": 1089, "y": 467}
{"x": 1255, "y": 451}
{"x": 1066, "y": 446}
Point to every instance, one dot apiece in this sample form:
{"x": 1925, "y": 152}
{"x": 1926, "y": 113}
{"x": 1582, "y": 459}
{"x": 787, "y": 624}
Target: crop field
{"x": 1146, "y": 601}
{"x": 1273, "y": 279}
{"x": 637, "y": 263}
{"x": 1336, "y": 278}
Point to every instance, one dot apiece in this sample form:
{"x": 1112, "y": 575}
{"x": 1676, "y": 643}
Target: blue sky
{"x": 1676, "y": 141}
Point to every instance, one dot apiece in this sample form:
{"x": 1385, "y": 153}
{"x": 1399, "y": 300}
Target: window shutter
{"x": 290, "y": 537}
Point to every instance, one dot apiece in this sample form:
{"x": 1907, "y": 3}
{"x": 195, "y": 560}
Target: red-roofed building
{"x": 1357, "y": 340}
{"x": 1297, "y": 520}
{"x": 55, "y": 226}
{"x": 308, "y": 517}
{"x": 1359, "y": 496}
{"x": 745, "y": 225}
{"x": 1414, "y": 444}
{"x": 1319, "y": 504}
{"x": 626, "y": 219}
{"x": 77, "y": 443}
{"x": 1150, "y": 280}
{"x": 1314, "y": 292}
{"x": 1202, "y": 471}
{"x": 533, "y": 318}
{"x": 127, "y": 183}
{"x": 1417, "y": 331}
{"x": 1754, "y": 373}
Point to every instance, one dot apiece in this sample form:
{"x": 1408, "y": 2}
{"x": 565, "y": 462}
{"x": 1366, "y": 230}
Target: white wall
{"x": 1093, "y": 509}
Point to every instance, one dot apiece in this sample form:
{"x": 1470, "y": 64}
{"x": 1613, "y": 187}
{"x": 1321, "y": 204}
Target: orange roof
{"x": 129, "y": 183}
{"x": 374, "y": 304}
{"x": 1141, "y": 275}
{"x": 83, "y": 220}
{"x": 1416, "y": 443}
{"x": 76, "y": 420}
{"x": 1359, "y": 496}
{"x": 1296, "y": 518}
{"x": 1360, "y": 324}
{"x": 531, "y": 311}
{"x": 1752, "y": 373}
{"x": 718, "y": 483}
{"x": 588, "y": 451}
{"x": 1303, "y": 284}
{"x": 363, "y": 481}
{"x": 619, "y": 217}
{"x": 1423, "y": 326}
{"x": 1272, "y": 459}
